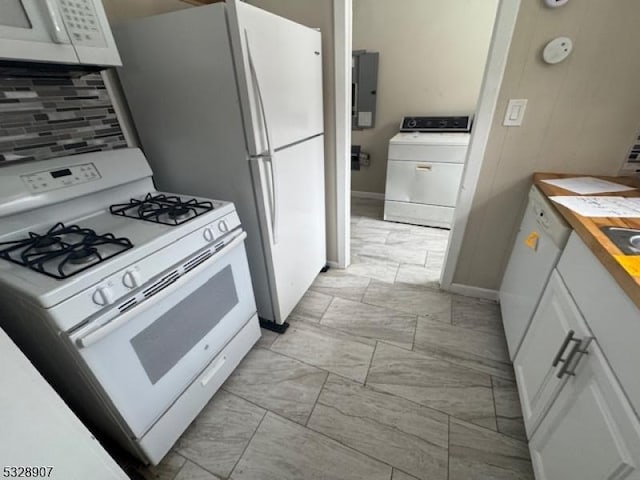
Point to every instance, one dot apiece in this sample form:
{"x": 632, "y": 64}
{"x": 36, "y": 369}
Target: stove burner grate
{"x": 164, "y": 209}
{"x": 63, "y": 251}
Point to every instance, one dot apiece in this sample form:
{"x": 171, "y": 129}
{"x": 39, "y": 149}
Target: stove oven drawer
{"x": 145, "y": 358}
{"x": 429, "y": 183}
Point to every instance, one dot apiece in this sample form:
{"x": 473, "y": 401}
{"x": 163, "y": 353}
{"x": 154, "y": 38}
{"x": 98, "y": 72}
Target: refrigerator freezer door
{"x": 291, "y": 186}
{"x": 280, "y": 64}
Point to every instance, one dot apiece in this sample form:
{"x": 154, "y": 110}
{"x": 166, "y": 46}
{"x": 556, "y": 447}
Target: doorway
{"x": 372, "y": 239}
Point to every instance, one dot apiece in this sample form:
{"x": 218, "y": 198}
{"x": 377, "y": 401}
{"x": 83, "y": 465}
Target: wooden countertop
{"x": 588, "y": 228}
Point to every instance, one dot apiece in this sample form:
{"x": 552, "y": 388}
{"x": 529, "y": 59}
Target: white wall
{"x": 582, "y": 116}
{"x": 432, "y": 57}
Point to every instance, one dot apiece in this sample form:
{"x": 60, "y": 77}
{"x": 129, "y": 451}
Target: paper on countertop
{"x": 601, "y": 206}
{"x": 588, "y": 185}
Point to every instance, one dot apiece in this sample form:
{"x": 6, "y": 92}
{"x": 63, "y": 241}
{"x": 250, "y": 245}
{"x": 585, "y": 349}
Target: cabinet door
{"x": 552, "y": 321}
{"x": 590, "y": 431}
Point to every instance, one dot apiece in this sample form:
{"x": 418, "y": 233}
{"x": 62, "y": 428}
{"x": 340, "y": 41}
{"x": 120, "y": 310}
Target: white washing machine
{"x": 424, "y": 170}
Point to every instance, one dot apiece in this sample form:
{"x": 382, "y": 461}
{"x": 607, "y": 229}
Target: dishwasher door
{"x": 536, "y": 251}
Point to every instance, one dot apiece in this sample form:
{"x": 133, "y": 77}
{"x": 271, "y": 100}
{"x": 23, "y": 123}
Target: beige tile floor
{"x": 380, "y": 376}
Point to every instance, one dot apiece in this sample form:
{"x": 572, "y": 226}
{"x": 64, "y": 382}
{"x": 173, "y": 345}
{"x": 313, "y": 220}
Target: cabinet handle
{"x": 424, "y": 167}
{"x": 563, "y": 347}
{"x": 574, "y": 351}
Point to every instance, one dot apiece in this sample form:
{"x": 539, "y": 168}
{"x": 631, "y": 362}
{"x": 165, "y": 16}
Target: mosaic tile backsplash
{"x": 56, "y": 116}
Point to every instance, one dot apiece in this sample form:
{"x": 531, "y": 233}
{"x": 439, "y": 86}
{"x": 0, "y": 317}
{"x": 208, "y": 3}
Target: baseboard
{"x": 371, "y": 195}
{"x": 333, "y": 264}
{"x": 476, "y": 292}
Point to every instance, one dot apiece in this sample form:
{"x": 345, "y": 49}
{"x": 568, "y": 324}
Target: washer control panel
{"x": 436, "y": 124}
{"x": 60, "y": 178}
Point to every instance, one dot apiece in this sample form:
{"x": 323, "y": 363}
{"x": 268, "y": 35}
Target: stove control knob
{"x": 223, "y": 226}
{"x": 208, "y": 235}
{"x": 131, "y": 279}
{"x": 103, "y": 296}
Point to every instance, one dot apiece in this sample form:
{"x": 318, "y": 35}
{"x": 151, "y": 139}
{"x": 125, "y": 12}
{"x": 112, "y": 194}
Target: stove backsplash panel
{"x": 43, "y": 118}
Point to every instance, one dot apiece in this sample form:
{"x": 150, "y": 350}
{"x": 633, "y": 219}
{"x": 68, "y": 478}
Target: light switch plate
{"x": 515, "y": 112}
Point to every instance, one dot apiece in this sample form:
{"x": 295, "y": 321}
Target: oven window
{"x": 12, "y": 14}
{"x": 163, "y": 343}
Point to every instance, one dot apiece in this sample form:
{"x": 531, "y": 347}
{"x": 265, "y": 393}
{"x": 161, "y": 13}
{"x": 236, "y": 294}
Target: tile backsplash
{"x": 46, "y": 117}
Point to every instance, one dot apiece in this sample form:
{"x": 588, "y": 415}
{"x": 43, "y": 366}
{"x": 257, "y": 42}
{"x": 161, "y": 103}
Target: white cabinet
{"x": 611, "y": 315}
{"x": 39, "y": 430}
{"x": 578, "y": 409}
{"x": 555, "y": 330}
{"x": 590, "y": 432}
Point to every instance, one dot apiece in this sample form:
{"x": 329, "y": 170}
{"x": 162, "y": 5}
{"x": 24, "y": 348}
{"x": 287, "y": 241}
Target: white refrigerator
{"x": 227, "y": 102}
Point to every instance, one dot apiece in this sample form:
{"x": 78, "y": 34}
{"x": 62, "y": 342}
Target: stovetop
{"x": 66, "y": 249}
{"x": 165, "y": 209}
{"x": 56, "y": 272}
{"x": 42, "y": 282}
{"x": 63, "y": 250}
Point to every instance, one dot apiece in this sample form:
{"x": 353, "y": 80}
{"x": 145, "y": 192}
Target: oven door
{"x": 34, "y": 30}
{"x": 145, "y": 358}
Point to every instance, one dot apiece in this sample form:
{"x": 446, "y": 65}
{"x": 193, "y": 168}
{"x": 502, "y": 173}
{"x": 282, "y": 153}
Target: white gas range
{"x": 135, "y": 304}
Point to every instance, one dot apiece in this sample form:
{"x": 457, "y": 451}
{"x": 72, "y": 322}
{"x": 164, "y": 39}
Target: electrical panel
{"x": 364, "y": 84}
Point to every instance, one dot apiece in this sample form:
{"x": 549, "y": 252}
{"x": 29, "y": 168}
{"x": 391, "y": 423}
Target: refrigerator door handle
{"x": 267, "y": 192}
{"x": 274, "y": 190}
{"x": 256, "y": 84}
{"x": 268, "y": 156}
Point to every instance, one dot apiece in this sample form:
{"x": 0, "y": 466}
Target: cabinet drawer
{"x": 552, "y": 322}
{"x": 423, "y": 182}
{"x": 611, "y": 315}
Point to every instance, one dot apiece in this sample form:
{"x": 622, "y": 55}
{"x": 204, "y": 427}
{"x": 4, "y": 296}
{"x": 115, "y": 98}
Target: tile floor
{"x": 380, "y": 376}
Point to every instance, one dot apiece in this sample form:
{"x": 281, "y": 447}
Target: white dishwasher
{"x": 424, "y": 170}
{"x": 540, "y": 241}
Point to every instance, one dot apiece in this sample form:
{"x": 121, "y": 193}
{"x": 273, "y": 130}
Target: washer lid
{"x": 419, "y": 138}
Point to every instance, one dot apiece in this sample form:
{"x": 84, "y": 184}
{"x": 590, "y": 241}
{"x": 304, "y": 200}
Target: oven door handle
{"x": 92, "y": 333}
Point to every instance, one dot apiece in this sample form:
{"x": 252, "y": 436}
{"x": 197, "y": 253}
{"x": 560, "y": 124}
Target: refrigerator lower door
{"x": 291, "y": 191}
{"x": 279, "y": 68}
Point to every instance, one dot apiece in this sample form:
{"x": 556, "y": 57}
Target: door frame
{"x": 504, "y": 26}
{"x": 342, "y": 28}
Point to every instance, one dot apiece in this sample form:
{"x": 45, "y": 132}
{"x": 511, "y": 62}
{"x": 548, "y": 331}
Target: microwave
{"x": 56, "y": 31}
